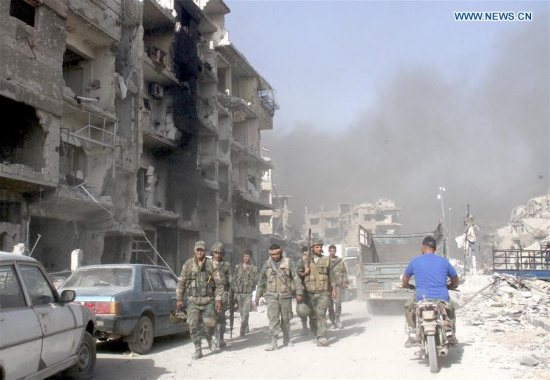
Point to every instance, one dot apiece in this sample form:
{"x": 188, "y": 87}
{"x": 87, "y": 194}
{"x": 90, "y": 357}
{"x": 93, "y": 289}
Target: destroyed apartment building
{"x": 135, "y": 127}
{"x": 341, "y": 225}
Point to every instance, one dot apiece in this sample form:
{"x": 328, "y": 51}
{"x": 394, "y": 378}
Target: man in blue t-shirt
{"x": 430, "y": 272}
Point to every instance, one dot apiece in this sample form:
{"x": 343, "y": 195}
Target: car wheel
{"x": 86, "y": 354}
{"x": 144, "y": 336}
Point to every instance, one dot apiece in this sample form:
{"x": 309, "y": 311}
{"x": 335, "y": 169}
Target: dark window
{"x": 156, "y": 281}
{"x": 10, "y": 212}
{"x": 23, "y": 10}
{"x": 169, "y": 281}
{"x": 11, "y": 294}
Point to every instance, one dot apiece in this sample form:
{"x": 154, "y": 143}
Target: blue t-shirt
{"x": 430, "y": 274}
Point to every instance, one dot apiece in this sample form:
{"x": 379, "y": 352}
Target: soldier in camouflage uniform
{"x": 279, "y": 279}
{"x": 319, "y": 283}
{"x": 341, "y": 282}
{"x": 204, "y": 287}
{"x": 302, "y": 263}
{"x": 223, "y": 268}
{"x": 245, "y": 279}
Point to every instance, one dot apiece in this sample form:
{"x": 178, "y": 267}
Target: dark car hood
{"x": 102, "y": 291}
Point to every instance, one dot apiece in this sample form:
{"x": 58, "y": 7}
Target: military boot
{"x": 220, "y": 342}
{"x": 211, "y": 344}
{"x": 304, "y": 327}
{"x": 197, "y": 354}
{"x": 273, "y": 345}
{"x": 339, "y": 323}
{"x": 286, "y": 339}
{"x": 322, "y": 341}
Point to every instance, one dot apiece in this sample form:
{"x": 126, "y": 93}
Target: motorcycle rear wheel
{"x": 432, "y": 354}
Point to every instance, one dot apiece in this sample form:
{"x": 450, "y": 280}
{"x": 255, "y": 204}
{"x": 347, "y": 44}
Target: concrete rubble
{"x": 511, "y": 311}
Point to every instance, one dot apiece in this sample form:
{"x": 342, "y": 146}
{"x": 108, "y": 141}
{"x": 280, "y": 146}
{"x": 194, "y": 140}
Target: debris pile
{"x": 510, "y": 311}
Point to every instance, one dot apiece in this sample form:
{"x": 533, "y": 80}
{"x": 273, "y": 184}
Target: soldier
{"x": 223, "y": 268}
{"x": 341, "y": 282}
{"x": 204, "y": 288}
{"x": 319, "y": 283}
{"x": 302, "y": 263}
{"x": 245, "y": 280}
{"x": 279, "y": 279}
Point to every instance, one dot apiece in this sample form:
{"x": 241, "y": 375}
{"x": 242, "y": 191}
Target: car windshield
{"x": 97, "y": 277}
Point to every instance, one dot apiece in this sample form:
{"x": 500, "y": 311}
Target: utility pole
{"x": 440, "y": 197}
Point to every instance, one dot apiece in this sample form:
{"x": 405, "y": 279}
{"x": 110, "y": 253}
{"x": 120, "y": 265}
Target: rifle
{"x": 280, "y": 275}
{"x": 331, "y": 315}
{"x": 308, "y": 261}
{"x": 231, "y": 312}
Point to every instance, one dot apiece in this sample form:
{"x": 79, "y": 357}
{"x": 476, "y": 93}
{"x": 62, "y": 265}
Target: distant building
{"x": 341, "y": 225}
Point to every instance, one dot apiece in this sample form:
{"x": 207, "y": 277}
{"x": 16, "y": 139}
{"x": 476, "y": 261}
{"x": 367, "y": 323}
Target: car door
{"x": 156, "y": 298}
{"x": 20, "y": 331}
{"x": 170, "y": 283}
{"x": 58, "y": 323}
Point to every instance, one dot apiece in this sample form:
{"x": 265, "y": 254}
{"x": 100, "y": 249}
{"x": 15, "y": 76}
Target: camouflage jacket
{"x": 223, "y": 268}
{"x": 245, "y": 280}
{"x": 202, "y": 283}
{"x": 276, "y": 286}
{"x": 340, "y": 271}
{"x": 321, "y": 276}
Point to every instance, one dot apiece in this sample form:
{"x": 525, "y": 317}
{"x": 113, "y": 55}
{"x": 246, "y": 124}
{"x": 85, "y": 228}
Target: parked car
{"x": 41, "y": 331}
{"x": 132, "y": 301}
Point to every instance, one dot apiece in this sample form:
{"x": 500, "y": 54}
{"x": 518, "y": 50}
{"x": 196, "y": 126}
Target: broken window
{"x": 24, "y": 10}
{"x": 73, "y": 162}
{"x": 73, "y": 71}
{"x": 23, "y": 142}
{"x": 10, "y": 212}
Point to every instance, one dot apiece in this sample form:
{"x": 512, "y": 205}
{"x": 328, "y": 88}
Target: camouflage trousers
{"x": 320, "y": 302}
{"x": 337, "y": 302}
{"x": 409, "y": 306}
{"x": 244, "y": 303}
{"x": 198, "y": 316}
{"x": 312, "y": 316}
{"x": 220, "y": 317}
{"x": 279, "y": 312}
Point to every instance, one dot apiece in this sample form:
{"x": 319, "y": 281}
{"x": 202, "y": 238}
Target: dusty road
{"x": 367, "y": 347}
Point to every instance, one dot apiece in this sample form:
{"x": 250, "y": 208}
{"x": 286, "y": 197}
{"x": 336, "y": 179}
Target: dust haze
{"x": 486, "y": 141}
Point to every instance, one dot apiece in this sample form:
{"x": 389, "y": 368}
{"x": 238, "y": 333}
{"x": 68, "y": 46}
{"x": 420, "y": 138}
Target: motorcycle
{"x": 434, "y": 331}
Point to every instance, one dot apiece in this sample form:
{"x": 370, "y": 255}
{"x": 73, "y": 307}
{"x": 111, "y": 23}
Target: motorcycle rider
{"x": 430, "y": 272}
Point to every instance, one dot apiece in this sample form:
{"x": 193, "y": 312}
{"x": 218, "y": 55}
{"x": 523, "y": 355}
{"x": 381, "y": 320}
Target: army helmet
{"x": 217, "y": 247}
{"x": 177, "y": 316}
{"x": 302, "y": 310}
{"x": 315, "y": 241}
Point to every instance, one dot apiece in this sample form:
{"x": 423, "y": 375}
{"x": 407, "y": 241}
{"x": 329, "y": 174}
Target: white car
{"x": 41, "y": 332}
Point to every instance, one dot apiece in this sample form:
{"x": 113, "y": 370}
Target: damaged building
{"x": 137, "y": 130}
{"x": 341, "y": 225}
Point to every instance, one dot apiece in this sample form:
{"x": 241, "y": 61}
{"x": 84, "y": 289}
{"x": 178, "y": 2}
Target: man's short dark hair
{"x": 274, "y": 247}
{"x": 305, "y": 248}
{"x": 429, "y": 241}
{"x": 246, "y": 251}
{"x": 332, "y": 246}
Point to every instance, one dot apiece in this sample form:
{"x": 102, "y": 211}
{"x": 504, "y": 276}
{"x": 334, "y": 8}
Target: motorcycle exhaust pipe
{"x": 444, "y": 351}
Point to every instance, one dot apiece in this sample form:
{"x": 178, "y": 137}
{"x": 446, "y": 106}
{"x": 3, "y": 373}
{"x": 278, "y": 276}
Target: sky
{"x": 395, "y": 99}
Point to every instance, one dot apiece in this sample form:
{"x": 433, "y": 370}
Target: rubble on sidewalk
{"x": 509, "y": 311}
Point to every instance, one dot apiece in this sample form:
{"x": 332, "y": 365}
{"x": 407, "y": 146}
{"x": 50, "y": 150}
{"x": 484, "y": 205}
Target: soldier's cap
{"x": 200, "y": 244}
{"x": 217, "y": 247}
{"x": 316, "y": 241}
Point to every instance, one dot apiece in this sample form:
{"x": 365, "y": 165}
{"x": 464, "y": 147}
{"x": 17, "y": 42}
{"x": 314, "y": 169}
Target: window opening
{"x": 24, "y": 10}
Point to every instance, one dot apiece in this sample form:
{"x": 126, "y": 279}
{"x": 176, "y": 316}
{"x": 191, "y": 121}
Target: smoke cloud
{"x": 486, "y": 141}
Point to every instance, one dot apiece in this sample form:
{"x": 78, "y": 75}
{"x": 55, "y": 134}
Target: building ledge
{"x": 155, "y": 214}
{"x": 251, "y": 200}
{"x": 157, "y": 73}
{"x": 21, "y": 178}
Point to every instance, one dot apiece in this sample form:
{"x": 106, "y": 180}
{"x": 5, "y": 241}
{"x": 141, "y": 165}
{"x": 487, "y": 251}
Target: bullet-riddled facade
{"x": 135, "y": 129}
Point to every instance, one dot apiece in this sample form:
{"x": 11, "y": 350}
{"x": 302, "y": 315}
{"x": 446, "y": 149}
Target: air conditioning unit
{"x": 156, "y": 90}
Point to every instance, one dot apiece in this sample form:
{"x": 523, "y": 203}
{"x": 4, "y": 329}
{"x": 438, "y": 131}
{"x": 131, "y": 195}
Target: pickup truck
{"x": 383, "y": 261}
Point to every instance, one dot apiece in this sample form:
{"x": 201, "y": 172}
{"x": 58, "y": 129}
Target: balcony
{"x": 156, "y": 69}
{"x": 155, "y": 215}
{"x": 242, "y": 110}
{"x": 158, "y": 14}
{"x": 96, "y": 21}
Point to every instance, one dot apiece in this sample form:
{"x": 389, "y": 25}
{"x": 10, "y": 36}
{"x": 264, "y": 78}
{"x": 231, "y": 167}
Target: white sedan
{"x": 41, "y": 332}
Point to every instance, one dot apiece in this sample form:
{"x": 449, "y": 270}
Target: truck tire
{"x": 372, "y": 307}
